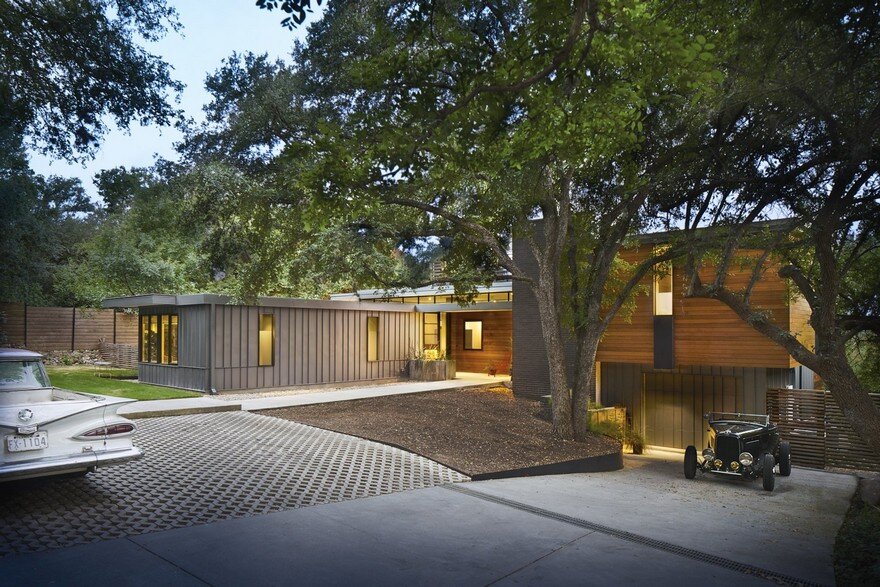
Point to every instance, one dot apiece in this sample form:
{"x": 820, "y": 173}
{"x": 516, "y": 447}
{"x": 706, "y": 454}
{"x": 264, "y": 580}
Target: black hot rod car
{"x": 741, "y": 445}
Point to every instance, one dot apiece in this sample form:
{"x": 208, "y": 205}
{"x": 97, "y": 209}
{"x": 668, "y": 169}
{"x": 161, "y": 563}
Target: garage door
{"x": 674, "y": 404}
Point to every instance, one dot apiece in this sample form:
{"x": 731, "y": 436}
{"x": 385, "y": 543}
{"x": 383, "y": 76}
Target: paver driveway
{"x": 203, "y": 468}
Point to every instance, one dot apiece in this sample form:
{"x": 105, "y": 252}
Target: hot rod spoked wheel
{"x": 767, "y": 477}
{"x": 690, "y": 462}
{"x": 784, "y": 459}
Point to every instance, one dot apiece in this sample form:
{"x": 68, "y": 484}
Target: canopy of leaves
{"x": 66, "y": 65}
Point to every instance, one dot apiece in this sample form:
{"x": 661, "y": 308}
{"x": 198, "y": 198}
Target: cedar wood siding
{"x": 497, "y": 333}
{"x": 707, "y": 332}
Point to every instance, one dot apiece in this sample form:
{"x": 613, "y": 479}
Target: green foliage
{"x": 69, "y": 66}
{"x": 144, "y": 243}
{"x": 43, "y": 221}
{"x": 856, "y": 556}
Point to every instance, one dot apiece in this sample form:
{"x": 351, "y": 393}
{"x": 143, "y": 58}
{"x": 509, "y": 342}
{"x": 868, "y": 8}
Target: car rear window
{"x": 22, "y": 375}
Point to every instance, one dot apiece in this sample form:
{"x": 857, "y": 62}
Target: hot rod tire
{"x": 690, "y": 462}
{"x": 784, "y": 459}
{"x": 767, "y": 476}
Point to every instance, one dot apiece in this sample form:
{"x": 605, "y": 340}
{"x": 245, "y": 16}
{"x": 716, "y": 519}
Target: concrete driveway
{"x": 645, "y": 524}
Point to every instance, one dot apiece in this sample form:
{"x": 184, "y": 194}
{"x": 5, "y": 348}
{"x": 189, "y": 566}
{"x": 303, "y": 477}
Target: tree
{"x": 799, "y": 136}
{"x": 468, "y": 120}
{"x": 143, "y": 241}
{"x": 43, "y": 220}
{"x": 65, "y": 65}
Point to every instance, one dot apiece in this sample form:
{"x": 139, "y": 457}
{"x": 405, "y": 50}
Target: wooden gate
{"x": 819, "y": 434}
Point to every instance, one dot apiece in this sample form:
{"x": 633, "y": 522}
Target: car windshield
{"x": 22, "y": 375}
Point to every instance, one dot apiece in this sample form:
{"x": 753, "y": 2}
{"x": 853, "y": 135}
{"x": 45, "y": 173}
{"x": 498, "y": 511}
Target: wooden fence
{"x": 56, "y": 329}
{"x": 820, "y": 436}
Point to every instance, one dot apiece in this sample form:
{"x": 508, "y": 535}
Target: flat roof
{"x": 152, "y": 300}
{"x": 428, "y": 290}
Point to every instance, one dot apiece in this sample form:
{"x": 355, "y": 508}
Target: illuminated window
{"x": 158, "y": 338}
{"x": 172, "y": 335}
{"x": 145, "y": 338}
{"x": 473, "y": 335}
{"x": 431, "y": 331}
{"x": 154, "y": 339}
{"x": 499, "y": 296}
{"x": 663, "y": 289}
{"x": 267, "y": 340}
{"x": 372, "y": 338}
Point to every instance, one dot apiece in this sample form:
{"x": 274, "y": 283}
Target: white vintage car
{"x": 50, "y": 431}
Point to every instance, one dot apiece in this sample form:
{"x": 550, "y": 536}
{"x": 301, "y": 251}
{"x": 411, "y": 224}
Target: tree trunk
{"x": 551, "y": 327}
{"x": 588, "y": 346}
{"x": 853, "y": 400}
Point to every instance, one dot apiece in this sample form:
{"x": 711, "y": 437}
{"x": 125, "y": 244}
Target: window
{"x": 500, "y": 296}
{"x": 473, "y": 335}
{"x": 266, "y": 341}
{"x": 372, "y": 338}
{"x": 158, "y": 340}
{"x": 431, "y": 331}
{"x": 663, "y": 289}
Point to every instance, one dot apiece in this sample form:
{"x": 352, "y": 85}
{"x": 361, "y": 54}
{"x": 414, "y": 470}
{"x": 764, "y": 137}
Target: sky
{"x": 208, "y": 37}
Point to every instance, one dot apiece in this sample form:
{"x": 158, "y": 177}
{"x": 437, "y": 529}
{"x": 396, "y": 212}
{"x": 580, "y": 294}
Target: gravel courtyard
{"x": 204, "y": 468}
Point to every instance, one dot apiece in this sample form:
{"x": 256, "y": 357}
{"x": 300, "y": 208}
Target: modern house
{"x": 674, "y": 358}
{"x": 206, "y": 342}
{"x": 669, "y": 362}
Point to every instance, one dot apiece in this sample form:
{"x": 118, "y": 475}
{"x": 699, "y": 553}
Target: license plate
{"x": 35, "y": 441}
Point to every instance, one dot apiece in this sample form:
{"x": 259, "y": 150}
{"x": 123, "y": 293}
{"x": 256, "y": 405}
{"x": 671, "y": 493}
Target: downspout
{"x": 210, "y": 379}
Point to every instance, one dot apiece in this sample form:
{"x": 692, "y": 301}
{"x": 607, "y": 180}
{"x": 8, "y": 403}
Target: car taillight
{"x": 110, "y": 430}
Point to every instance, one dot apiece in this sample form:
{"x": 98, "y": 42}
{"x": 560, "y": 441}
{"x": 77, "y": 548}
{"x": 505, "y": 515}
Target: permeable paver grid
{"x": 203, "y": 468}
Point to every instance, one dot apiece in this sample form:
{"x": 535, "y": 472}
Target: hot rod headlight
{"x": 746, "y": 459}
{"x": 708, "y": 454}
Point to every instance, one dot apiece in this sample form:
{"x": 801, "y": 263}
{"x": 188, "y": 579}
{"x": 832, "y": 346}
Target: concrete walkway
{"x": 207, "y": 404}
{"x": 642, "y": 525}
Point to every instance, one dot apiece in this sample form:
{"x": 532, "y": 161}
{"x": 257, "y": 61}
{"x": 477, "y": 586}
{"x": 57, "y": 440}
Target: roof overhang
{"x": 156, "y": 300}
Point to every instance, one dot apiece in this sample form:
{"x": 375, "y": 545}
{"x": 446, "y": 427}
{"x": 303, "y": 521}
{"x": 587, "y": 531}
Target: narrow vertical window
{"x": 172, "y": 342}
{"x": 145, "y": 338}
{"x": 267, "y": 340}
{"x": 663, "y": 289}
{"x": 166, "y": 338}
{"x": 473, "y": 335}
{"x": 154, "y": 339}
{"x": 372, "y": 338}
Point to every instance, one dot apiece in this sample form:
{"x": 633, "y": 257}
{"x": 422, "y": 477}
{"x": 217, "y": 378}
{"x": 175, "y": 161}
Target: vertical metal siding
{"x": 312, "y": 346}
{"x": 669, "y": 405}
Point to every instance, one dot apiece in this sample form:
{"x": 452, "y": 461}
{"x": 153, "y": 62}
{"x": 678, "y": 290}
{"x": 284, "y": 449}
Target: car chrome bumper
{"x": 69, "y": 464}
{"x": 731, "y": 473}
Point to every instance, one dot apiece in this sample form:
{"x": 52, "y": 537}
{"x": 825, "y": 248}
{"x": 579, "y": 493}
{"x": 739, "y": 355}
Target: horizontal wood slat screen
{"x": 800, "y": 415}
{"x": 843, "y": 447}
{"x": 64, "y": 329}
{"x": 819, "y": 434}
{"x": 120, "y": 355}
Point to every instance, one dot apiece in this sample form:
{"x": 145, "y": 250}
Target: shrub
{"x": 856, "y": 556}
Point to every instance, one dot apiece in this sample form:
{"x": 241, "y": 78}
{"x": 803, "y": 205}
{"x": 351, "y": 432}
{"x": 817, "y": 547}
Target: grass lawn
{"x": 83, "y": 378}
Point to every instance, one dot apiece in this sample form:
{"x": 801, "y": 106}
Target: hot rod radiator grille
{"x": 727, "y": 448}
